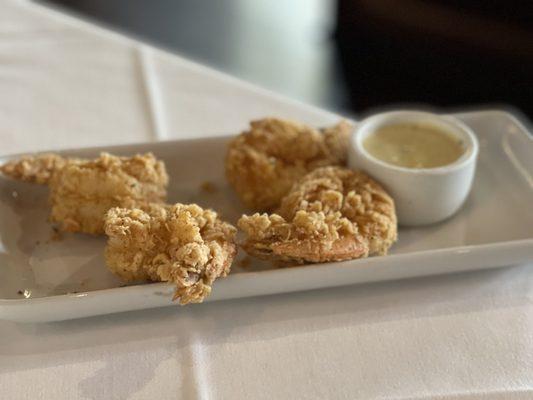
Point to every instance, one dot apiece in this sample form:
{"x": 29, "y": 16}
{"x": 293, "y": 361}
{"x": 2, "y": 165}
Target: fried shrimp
{"x": 81, "y": 191}
{"x": 309, "y": 236}
{"x": 264, "y": 162}
{"x": 331, "y": 214}
{"x": 34, "y": 169}
{"x": 182, "y": 244}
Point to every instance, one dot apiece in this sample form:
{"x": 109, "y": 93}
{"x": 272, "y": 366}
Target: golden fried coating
{"x": 182, "y": 244}
{"x": 352, "y": 193}
{"x": 264, "y": 162}
{"x": 81, "y": 191}
{"x": 308, "y": 236}
{"x": 34, "y": 169}
{"x": 331, "y": 208}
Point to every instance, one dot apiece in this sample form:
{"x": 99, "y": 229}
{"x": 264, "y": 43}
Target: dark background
{"x": 347, "y": 55}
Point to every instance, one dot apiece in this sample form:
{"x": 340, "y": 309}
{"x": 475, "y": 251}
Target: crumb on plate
{"x": 208, "y": 187}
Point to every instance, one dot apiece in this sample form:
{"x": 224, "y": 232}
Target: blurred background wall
{"x": 351, "y": 56}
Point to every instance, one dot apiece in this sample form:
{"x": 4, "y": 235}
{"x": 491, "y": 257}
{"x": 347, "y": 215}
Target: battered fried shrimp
{"x": 264, "y": 162}
{"x": 308, "y": 236}
{"x": 341, "y": 210}
{"x": 81, "y": 191}
{"x": 182, "y": 244}
{"x": 352, "y": 193}
{"x": 34, "y": 169}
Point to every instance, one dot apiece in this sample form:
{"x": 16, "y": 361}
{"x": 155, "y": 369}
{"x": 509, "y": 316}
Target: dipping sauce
{"x": 414, "y": 145}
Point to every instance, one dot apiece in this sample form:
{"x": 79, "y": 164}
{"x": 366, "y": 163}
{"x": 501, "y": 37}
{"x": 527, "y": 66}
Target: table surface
{"x": 65, "y": 83}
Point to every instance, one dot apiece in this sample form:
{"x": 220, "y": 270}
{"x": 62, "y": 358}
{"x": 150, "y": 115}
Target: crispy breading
{"x": 34, "y": 169}
{"x": 182, "y": 244}
{"x": 264, "y": 162}
{"x": 308, "y": 236}
{"x": 355, "y": 195}
{"x": 81, "y": 191}
{"x": 333, "y": 208}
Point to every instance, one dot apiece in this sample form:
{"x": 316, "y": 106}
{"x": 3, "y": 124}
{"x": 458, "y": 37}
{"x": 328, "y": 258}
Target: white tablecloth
{"x": 65, "y": 83}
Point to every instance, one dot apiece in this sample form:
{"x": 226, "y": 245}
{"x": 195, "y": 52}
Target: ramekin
{"x": 422, "y": 195}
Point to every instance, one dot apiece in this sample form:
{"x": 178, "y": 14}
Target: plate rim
{"x": 451, "y": 251}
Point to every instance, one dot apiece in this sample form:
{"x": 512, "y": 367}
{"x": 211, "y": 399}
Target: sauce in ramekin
{"x": 414, "y": 145}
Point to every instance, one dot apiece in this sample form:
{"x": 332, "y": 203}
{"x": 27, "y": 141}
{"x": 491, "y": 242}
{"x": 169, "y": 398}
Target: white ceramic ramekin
{"x": 422, "y": 195}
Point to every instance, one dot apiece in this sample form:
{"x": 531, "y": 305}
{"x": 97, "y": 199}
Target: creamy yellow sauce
{"x": 414, "y": 145}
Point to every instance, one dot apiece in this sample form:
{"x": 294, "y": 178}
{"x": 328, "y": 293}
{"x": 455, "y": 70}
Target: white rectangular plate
{"x": 44, "y": 279}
